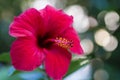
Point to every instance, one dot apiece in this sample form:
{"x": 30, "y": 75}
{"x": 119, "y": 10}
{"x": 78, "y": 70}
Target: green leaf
{"x": 4, "y": 74}
{"x": 12, "y": 71}
{"x": 5, "y": 57}
{"x": 75, "y": 65}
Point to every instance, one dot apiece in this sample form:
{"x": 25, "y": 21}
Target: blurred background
{"x": 97, "y": 23}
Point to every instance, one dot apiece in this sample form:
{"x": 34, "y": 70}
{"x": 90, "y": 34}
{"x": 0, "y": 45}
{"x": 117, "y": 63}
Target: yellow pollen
{"x": 63, "y": 42}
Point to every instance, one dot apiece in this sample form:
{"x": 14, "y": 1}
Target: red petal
{"x": 56, "y": 20}
{"x": 71, "y": 34}
{"x": 57, "y": 62}
{"x": 25, "y": 54}
{"x": 27, "y": 24}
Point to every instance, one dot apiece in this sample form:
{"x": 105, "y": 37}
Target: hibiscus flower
{"x": 44, "y": 37}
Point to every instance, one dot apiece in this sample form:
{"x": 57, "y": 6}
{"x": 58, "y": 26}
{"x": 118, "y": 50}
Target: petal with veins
{"x": 57, "y": 61}
{"x": 25, "y": 54}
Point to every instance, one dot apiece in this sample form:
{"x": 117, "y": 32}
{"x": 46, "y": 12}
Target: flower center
{"x": 46, "y": 42}
{"x": 63, "y": 42}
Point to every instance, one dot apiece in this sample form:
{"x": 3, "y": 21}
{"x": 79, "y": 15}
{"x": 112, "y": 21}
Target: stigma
{"x": 63, "y": 42}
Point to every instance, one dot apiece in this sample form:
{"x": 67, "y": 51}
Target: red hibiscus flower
{"x": 44, "y": 37}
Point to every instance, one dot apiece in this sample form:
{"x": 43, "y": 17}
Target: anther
{"x": 63, "y": 42}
